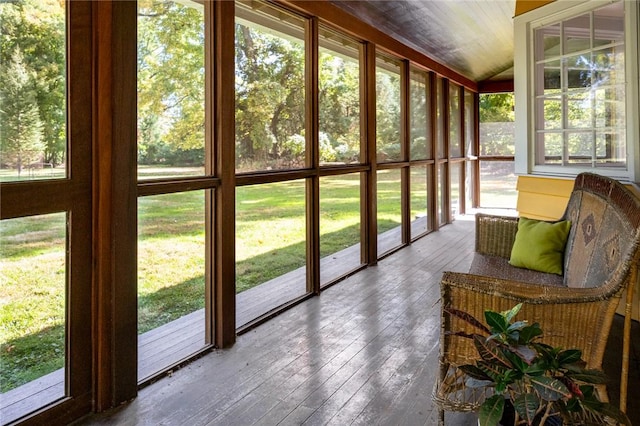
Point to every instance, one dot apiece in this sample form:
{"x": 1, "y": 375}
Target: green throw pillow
{"x": 540, "y": 245}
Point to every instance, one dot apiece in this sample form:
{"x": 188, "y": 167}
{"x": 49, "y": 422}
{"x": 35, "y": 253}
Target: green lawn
{"x": 270, "y": 241}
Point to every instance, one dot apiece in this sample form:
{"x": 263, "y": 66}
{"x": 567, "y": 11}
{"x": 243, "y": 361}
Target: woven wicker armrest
{"x": 495, "y": 234}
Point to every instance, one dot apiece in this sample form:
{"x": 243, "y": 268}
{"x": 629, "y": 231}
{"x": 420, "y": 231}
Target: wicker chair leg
{"x": 440, "y": 417}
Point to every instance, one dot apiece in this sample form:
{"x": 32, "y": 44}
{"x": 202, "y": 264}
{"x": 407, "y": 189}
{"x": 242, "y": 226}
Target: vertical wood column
{"x": 225, "y": 197}
{"x": 405, "y": 130}
{"x": 115, "y": 199}
{"x": 370, "y": 240}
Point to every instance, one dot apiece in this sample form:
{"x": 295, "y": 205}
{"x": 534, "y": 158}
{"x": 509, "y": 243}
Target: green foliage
{"x": 541, "y": 382}
{"x": 20, "y": 126}
{"x": 33, "y": 38}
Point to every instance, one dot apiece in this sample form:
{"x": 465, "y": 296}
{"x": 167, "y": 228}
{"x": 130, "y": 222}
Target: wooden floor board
{"x": 364, "y": 353}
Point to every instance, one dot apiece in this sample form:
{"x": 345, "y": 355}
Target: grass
{"x": 270, "y": 241}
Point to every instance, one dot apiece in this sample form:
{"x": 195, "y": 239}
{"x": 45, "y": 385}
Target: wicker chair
{"x": 601, "y": 260}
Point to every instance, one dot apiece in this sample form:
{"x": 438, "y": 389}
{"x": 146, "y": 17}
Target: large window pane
{"x": 171, "y": 270}
{"x": 420, "y": 116}
{"x": 470, "y": 123}
{"x": 339, "y": 99}
{"x": 455, "y": 145}
{"x": 456, "y": 197}
{"x": 32, "y": 313}
{"x": 170, "y": 89}
{"x": 270, "y": 247}
{"x": 270, "y": 88}
{"x": 498, "y": 184}
{"x": 419, "y": 206}
{"x": 32, "y": 90}
{"x": 340, "y": 218}
{"x": 389, "y": 210}
{"x": 443, "y": 177}
{"x": 388, "y": 109}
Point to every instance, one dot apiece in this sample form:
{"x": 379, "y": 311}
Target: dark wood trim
{"x": 432, "y": 172}
{"x": 463, "y": 150}
{"x": 115, "y": 233}
{"x": 475, "y": 165}
{"x": 273, "y": 176}
{"x": 405, "y": 130}
{"x": 496, "y": 158}
{"x": 501, "y": 86}
{"x": 337, "y": 18}
{"x": 224, "y": 127}
{"x": 369, "y": 237}
{"x": 393, "y": 165}
{"x": 157, "y": 187}
{"x": 313, "y": 156}
{"x": 342, "y": 170}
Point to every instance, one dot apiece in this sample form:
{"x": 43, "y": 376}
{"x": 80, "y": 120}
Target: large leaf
{"x": 497, "y": 372}
{"x": 490, "y": 351}
{"x": 525, "y": 353}
{"x": 588, "y": 376}
{"x": 530, "y": 332}
{"x": 526, "y": 405}
{"x": 466, "y": 317}
{"x": 569, "y": 356}
{"x": 508, "y": 315}
{"x": 496, "y": 321}
{"x": 550, "y": 389}
{"x": 491, "y": 411}
{"x": 608, "y": 410}
{"x": 475, "y": 372}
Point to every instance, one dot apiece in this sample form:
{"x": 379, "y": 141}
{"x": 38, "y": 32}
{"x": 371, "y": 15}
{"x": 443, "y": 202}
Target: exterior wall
{"x": 546, "y": 199}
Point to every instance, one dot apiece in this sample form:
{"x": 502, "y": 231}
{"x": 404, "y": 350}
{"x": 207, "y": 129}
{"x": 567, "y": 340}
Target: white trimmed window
{"x": 576, "y": 87}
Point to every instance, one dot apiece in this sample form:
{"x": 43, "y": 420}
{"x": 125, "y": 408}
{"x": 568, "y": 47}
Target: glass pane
{"x": 498, "y": 188}
{"x": 609, "y": 107}
{"x": 171, "y": 270}
{"x": 469, "y": 122}
{"x": 388, "y": 109}
{"x": 552, "y": 113}
{"x": 270, "y": 94}
{"x": 456, "y": 176}
{"x": 442, "y": 194}
{"x": 609, "y": 67}
{"x": 553, "y": 148}
{"x": 440, "y": 118}
{"x": 497, "y": 124}
{"x": 389, "y": 210}
{"x": 610, "y": 149}
{"x": 419, "y": 207}
{"x": 579, "y": 110}
{"x": 547, "y": 42}
{"x": 552, "y": 80}
{"x": 270, "y": 247}
{"x": 580, "y": 148}
{"x": 33, "y": 139}
{"x": 578, "y": 71}
{"x": 455, "y": 150}
{"x": 340, "y": 218}
{"x": 577, "y": 34}
{"x": 339, "y": 99}
{"x": 170, "y": 89}
{"x": 32, "y": 312}
{"x": 420, "y": 145}
{"x": 608, "y": 24}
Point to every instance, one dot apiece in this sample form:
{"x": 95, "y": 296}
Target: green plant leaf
{"x": 527, "y": 354}
{"x": 496, "y": 321}
{"x": 490, "y": 351}
{"x": 606, "y": 409}
{"x": 508, "y": 315}
{"x": 491, "y": 411}
{"x": 516, "y": 326}
{"x": 474, "y": 372}
{"x": 517, "y": 361}
{"x": 530, "y": 332}
{"x": 526, "y": 405}
{"x": 569, "y": 356}
{"x": 596, "y": 377}
{"x": 550, "y": 389}
{"x": 497, "y": 372}
{"x": 466, "y": 317}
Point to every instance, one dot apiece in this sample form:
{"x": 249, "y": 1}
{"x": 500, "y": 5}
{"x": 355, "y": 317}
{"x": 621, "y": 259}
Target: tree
{"x": 21, "y": 139}
{"x": 37, "y": 29}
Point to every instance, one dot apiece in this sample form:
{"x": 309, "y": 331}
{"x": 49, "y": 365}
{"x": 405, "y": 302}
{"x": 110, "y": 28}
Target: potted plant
{"x": 544, "y": 385}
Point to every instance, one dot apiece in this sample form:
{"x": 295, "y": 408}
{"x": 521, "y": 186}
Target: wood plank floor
{"x": 363, "y": 352}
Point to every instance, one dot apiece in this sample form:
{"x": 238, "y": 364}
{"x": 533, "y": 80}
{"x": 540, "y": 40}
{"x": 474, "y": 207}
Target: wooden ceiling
{"x": 473, "y": 37}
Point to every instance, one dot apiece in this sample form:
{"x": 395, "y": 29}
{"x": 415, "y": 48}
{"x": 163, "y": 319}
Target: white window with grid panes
{"x": 577, "y": 89}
